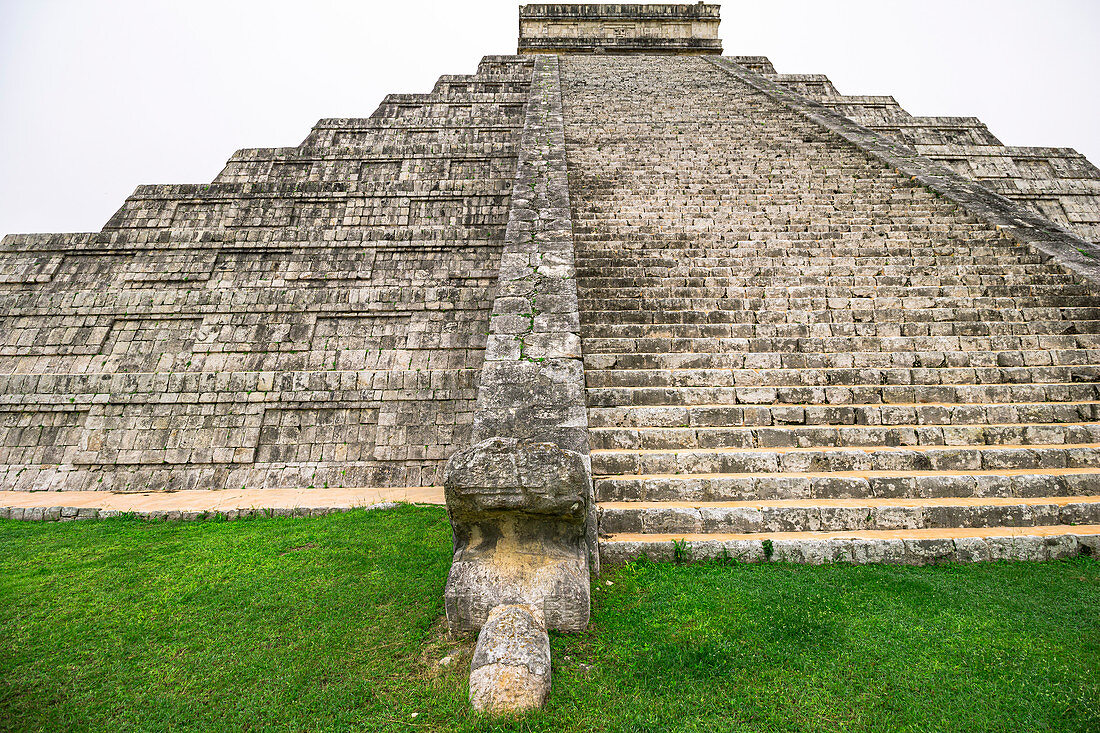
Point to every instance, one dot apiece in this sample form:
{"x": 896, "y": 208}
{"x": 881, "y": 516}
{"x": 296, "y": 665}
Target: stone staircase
{"x": 794, "y": 352}
{"x": 1059, "y": 184}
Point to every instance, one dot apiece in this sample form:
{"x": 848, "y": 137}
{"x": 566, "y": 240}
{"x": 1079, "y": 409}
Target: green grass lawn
{"x": 335, "y": 624}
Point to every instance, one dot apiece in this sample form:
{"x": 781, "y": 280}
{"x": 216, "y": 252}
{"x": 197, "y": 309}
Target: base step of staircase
{"x": 903, "y": 547}
{"x": 800, "y": 515}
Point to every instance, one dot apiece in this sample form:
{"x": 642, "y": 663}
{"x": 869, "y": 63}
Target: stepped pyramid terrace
{"x": 616, "y": 294}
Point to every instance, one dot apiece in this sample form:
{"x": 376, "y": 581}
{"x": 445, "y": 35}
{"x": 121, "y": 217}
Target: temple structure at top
{"x": 591, "y": 28}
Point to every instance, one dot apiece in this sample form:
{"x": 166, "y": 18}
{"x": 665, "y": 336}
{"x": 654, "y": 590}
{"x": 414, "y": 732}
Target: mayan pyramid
{"x": 770, "y": 318}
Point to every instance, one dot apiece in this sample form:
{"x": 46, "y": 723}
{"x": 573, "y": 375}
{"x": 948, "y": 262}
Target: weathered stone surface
{"x": 1058, "y": 184}
{"x": 507, "y": 475}
{"x": 619, "y": 28}
{"x": 519, "y": 513}
{"x": 510, "y": 669}
{"x": 315, "y": 317}
{"x": 780, "y": 305}
{"x": 534, "y": 389}
{"x": 520, "y": 499}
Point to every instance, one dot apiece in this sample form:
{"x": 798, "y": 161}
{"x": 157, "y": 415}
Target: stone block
{"x": 510, "y": 669}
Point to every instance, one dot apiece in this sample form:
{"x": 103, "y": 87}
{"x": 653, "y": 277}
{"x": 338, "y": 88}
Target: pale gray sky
{"x": 98, "y": 96}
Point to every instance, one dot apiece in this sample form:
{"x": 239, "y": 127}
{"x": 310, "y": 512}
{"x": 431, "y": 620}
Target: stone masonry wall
{"x": 314, "y": 317}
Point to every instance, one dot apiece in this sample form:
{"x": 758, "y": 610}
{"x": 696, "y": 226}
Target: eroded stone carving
{"x": 510, "y": 671}
{"x": 519, "y": 513}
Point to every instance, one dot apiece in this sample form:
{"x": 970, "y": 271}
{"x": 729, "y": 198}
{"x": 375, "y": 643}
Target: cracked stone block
{"x": 510, "y": 669}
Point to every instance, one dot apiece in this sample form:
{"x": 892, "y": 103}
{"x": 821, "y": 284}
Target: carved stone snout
{"x": 510, "y": 475}
{"x": 518, "y": 510}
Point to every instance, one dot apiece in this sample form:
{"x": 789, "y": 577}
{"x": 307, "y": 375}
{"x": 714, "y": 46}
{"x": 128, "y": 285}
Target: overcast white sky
{"x": 98, "y": 96}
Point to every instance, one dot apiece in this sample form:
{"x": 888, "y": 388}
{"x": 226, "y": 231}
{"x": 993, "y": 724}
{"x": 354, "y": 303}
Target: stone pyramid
{"x": 773, "y": 321}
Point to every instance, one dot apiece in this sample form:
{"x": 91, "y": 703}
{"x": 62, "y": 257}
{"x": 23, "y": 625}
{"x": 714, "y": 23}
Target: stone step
{"x": 720, "y": 291}
{"x": 764, "y": 310}
{"x": 843, "y": 394}
{"x": 838, "y": 216}
{"x": 631, "y": 263}
{"x": 617, "y": 324}
{"x": 843, "y": 459}
{"x": 842, "y": 515}
{"x": 910, "y": 547}
{"x": 868, "y": 415}
{"x": 854, "y": 211}
{"x": 632, "y": 269}
{"x": 622, "y": 258}
{"x": 711, "y": 270}
{"x": 805, "y": 436}
{"x": 686, "y": 337}
{"x": 718, "y": 282}
{"x": 726, "y": 270}
{"x": 714, "y": 214}
{"x": 642, "y": 249}
{"x": 849, "y": 485}
{"x": 741, "y": 229}
{"x": 768, "y": 379}
{"x": 718, "y": 310}
{"x": 733, "y": 337}
{"x": 720, "y": 294}
{"x": 837, "y": 354}
{"x": 678, "y": 351}
{"x": 722, "y": 284}
{"x": 723, "y": 233}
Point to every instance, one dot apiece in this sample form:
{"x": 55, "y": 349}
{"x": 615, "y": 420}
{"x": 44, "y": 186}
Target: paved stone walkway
{"x": 195, "y": 504}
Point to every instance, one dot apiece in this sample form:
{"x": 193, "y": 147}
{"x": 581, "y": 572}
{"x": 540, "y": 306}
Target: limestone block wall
{"x": 1058, "y": 183}
{"x": 316, "y": 316}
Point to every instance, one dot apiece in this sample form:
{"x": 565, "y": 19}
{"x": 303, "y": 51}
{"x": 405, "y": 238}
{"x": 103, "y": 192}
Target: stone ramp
{"x": 198, "y": 504}
{"x": 790, "y": 344}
